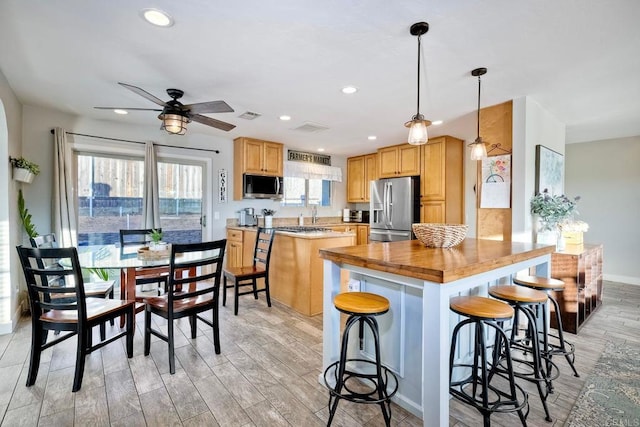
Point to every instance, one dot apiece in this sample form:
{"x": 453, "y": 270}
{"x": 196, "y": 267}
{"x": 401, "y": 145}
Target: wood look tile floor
{"x": 267, "y": 375}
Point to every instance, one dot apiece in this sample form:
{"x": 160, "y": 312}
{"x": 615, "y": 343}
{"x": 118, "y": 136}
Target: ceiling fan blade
{"x": 143, "y": 93}
{"x": 128, "y": 109}
{"x": 212, "y": 122}
{"x": 209, "y": 107}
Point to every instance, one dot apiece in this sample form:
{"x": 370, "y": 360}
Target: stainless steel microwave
{"x": 262, "y": 187}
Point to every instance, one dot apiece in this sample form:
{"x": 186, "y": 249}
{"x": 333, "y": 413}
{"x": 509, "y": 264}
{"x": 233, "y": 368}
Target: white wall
{"x": 10, "y": 228}
{"x": 532, "y": 125}
{"x": 606, "y": 175}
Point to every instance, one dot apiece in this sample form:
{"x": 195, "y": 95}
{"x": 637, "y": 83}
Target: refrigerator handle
{"x": 390, "y": 195}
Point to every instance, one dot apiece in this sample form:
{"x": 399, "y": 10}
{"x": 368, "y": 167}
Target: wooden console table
{"x": 580, "y": 268}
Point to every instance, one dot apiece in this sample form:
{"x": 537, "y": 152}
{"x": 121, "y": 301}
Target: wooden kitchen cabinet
{"x": 234, "y": 248}
{"x": 362, "y": 237}
{"x": 580, "y": 268}
{"x": 360, "y": 170}
{"x": 255, "y": 156}
{"x": 442, "y": 181}
{"x": 399, "y": 160}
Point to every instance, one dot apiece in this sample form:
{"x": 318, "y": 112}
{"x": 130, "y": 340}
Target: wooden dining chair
{"x": 66, "y": 308}
{"x": 188, "y": 295}
{"x": 144, "y": 276}
{"x": 249, "y": 275}
{"x": 100, "y": 289}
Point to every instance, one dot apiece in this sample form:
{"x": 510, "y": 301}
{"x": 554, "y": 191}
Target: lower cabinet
{"x": 580, "y": 268}
{"x": 234, "y": 248}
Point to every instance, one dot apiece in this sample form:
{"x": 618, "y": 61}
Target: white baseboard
{"x": 9, "y": 327}
{"x": 622, "y": 279}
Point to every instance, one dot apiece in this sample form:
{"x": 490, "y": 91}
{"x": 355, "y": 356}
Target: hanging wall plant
{"x": 23, "y": 169}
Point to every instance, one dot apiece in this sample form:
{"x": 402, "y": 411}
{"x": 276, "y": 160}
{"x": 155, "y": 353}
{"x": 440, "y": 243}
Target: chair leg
{"x": 254, "y": 282}
{"x": 111, "y": 321}
{"x": 216, "y": 329}
{"x": 81, "y": 352}
{"x": 103, "y": 331}
{"x": 38, "y": 337}
{"x": 147, "y": 331}
{"x": 236, "y": 290}
{"x": 172, "y": 358}
{"x": 193, "y": 322}
{"x": 224, "y": 291}
{"x": 130, "y": 330}
{"x": 266, "y": 287}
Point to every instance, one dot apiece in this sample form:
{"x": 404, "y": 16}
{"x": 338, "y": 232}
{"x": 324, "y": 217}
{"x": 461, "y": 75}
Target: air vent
{"x": 249, "y": 115}
{"x": 311, "y": 127}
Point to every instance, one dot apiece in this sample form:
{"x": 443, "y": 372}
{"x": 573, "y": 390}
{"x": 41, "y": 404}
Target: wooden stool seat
{"x": 540, "y": 283}
{"x": 517, "y": 294}
{"x": 481, "y": 307}
{"x": 363, "y": 303}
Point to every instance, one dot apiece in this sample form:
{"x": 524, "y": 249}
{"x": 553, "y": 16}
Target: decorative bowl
{"x": 434, "y": 235}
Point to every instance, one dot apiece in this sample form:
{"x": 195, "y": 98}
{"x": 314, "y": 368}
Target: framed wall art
{"x": 549, "y": 171}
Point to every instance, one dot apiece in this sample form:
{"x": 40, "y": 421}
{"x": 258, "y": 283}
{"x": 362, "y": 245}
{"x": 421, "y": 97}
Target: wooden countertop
{"x": 441, "y": 265}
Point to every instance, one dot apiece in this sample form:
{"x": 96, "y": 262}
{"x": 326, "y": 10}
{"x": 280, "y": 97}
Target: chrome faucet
{"x": 314, "y": 214}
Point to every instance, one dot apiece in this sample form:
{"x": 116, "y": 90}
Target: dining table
{"x": 128, "y": 260}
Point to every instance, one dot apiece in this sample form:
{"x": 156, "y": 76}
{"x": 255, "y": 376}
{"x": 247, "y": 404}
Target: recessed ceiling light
{"x": 436, "y": 122}
{"x": 118, "y": 111}
{"x": 372, "y": 137}
{"x": 285, "y": 118}
{"x": 321, "y": 149}
{"x": 349, "y": 90}
{"x": 157, "y": 17}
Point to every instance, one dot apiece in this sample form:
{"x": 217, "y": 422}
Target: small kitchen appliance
{"x": 247, "y": 217}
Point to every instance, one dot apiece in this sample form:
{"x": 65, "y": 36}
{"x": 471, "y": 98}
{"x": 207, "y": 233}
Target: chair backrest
{"x": 62, "y": 266}
{"x": 205, "y": 259}
{"x": 262, "y": 250}
{"x": 138, "y": 237}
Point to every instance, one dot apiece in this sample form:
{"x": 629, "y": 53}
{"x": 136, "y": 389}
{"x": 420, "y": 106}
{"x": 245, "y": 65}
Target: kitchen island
{"x": 418, "y": 281}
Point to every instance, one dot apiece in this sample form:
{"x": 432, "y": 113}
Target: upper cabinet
{"x": 360, "y": 170}
{"x": 258, "y": 157}
{"x": 442, "y": 181}
{"x": 399, "y": 160}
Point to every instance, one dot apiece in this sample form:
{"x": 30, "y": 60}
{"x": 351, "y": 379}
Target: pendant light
{"x": 418, "y": 125}
{"x": 478, "y": 147}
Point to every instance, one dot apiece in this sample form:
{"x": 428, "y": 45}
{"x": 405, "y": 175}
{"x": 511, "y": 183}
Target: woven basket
{"x": 440, "y": 235}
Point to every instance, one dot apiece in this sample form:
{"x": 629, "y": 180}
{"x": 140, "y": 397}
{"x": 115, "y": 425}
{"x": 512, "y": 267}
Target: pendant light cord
{"x": 478, "y": 131}
{"x": 418, "y": 103}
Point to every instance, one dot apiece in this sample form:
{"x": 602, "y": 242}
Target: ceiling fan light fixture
{"x": 175, "y": 124}
{"x": 418, "y": 125}
{"x": 157, "y": 17}
{"x": 478, "y": 147}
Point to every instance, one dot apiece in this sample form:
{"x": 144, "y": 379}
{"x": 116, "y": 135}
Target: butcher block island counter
{"x": 418, "y": 281}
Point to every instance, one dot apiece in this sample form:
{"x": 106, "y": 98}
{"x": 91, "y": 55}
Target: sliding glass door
{"x": 109, "y": 194}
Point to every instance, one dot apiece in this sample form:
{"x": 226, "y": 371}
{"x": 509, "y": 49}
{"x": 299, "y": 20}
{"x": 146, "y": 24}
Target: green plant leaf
{"x": 25, "y": 216}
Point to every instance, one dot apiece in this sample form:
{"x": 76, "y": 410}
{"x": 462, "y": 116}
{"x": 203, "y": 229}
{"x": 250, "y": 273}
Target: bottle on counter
{"x": 300, "y": 220}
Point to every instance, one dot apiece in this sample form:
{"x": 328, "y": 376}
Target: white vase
{"x": 560, "y": 242}
{"x": 158, "y": 246}
{"x": 268, "y": 221}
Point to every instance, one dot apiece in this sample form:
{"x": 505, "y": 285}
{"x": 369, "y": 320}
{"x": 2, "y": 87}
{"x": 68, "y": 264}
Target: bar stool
{"x": 524, "y": 300}
{"x": 563, "y": 348}
{"x": 362, "y": 307}
{"x": 484, "y": 396}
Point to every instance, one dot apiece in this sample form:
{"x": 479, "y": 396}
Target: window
{"x": 306, "y": 192}
{"x": 110, "y": 198}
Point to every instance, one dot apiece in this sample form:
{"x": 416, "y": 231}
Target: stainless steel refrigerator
{"x": 394, "y": 206}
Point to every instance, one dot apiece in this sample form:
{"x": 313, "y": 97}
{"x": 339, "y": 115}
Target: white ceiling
{"x": 580, "y": 60}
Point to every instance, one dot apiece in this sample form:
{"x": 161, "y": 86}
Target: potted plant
{"x": 23, "y": 169}
{"x": 156, "y": 240}
{"x": 268, "y": 217}
{"x": 553, "y": 211}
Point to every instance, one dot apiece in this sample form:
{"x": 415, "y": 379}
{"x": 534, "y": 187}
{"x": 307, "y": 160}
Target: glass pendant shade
{"x": 174, "y": 123}
{"x": 418, "y": 130}
{"x": 478, "y": 149}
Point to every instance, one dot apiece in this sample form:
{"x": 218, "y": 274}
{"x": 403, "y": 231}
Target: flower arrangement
{"x": 575, "y": 226}
{"x": 23, "y": 163}
{"x": 553, "y": 210}
{"x": 268, "y": 212}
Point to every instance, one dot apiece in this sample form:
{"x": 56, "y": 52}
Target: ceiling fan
{"x": 175, "y": 115}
